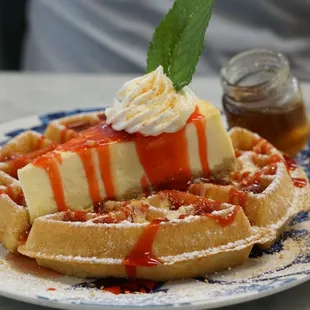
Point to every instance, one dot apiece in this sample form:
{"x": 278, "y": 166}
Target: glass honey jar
{"x": 262, "y": 95}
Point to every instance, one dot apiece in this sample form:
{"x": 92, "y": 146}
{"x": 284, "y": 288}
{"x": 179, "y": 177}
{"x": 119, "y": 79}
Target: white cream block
{"x": 126, "y": 167}
{"x": 96, "y": 160}
{"x": 193, "y": 149}
{"x": 37, "y": 191}
{"x": 74, "y": 181}
{"x": 219, "y": 144}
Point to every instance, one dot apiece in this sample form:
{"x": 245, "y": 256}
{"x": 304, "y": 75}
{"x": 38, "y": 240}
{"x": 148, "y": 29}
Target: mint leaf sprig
{"x": 178, "y": 41}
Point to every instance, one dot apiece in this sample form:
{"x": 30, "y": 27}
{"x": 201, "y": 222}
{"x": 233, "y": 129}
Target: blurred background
{"x": 112, "y": 36}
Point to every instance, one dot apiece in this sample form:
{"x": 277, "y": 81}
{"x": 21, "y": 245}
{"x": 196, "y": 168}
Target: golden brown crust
{"x": 181, "y": 270}
{"x": 189, "y": 247}
{"x": 66, "y": 128}
{"x": 14, "y": 217}
{"x": 277, "y": 200}
{"x": 20, "y": 147}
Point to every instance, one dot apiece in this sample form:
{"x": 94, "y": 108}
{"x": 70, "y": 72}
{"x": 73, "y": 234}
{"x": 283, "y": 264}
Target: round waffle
{"x": 268, "y": 185}
{"x": 63, "y": 129}
{"x": 14, "y": 217}
{"x": 171, "y": 235}
{"x": 22, "y": 149}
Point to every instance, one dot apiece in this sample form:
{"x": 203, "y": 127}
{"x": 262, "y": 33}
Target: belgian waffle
{"x": 268, "y": 185}
{"x": 63, "y": 129}
{"x": 14, "y": 218}
{"x": 134, "y": 238}
{"x": 18, "y": 152}
{"x": 22, "y": 149}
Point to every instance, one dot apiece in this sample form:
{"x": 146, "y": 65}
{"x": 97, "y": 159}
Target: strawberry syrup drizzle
{"x": 49, "y": 163}
{"x": 16, "y": 195}
{"x": 299, "y": 182}
{"x": 262, "y": 146}
{"x": 225, "y": 220}
{"x": 201, "y": 129}
{"x": 73, "y": 129}
{"x": 178, "y": 199}
{"x": 119, "y": 286}
{"x": 104, "y": 157}
{"x": 290, "y": 163}
{"x": 75, "y": 216}
{"x": 252, "y": 183}
{"x": 90, "y": 172}
{"x": 145, "y": 185}
{"x": 203, "y": 206}
{"x": 19, "y": 161}
{"x": 237, "y": 197}
{"x": 141, "y": 255}
{"x": 51, "y": 289}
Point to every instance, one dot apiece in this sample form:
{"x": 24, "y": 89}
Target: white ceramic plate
{"x": 285, "y": 265}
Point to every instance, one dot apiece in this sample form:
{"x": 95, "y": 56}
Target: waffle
{"x": 63, "y": 129}
{"x": 213, "y": 225}
{"x": 19, "y": 151}
{"x": 268, "y": 185}
{"x": 14, "y": 218}
{"x": 171, "y": 235}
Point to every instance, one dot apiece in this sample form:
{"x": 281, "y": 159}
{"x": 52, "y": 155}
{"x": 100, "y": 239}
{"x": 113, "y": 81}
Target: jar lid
{"x": 254, "y": 75}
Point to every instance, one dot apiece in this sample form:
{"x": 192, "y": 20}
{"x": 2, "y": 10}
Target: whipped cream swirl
{"x": 150, "y": 105}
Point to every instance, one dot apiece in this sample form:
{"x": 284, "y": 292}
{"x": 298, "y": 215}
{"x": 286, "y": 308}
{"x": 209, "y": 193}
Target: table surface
{"x": 28, "y": 94}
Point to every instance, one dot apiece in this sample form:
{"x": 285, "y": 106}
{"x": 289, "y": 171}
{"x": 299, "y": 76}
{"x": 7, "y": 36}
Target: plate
{"x": 285, "y": 265}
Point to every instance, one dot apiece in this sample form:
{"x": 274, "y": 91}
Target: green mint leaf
{"x": 178, "y": 41}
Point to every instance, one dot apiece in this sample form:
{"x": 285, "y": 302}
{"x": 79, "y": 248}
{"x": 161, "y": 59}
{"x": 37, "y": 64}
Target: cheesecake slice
{"x": 103, "y": 163}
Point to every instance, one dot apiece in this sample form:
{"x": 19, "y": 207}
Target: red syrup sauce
{"x": 145, "y": 186}
{"x": 73, "y": 129}
{"x": 290, "y": 163}
{"x": 178, "y": 199}
{"x": 225, "y": 220}
{"x": 122, "y": 214}
{"x": 238, "y": 153}
{"x": 16, "y": 195}
{"x": 19, "y": 161}
{"x": 203, "y": 206}
{"x": 141, "y": 254}
{"x": 129, "y": 286}
{"x": 262, "y": 146}
{"x": 49, "y": 162}
{"x": 237, "y": 197}
{"x": 75, "y": 216}
{"x": 23, "y": 237}
{"x": 299, "y": 182}
{"x": 119, "y": 286}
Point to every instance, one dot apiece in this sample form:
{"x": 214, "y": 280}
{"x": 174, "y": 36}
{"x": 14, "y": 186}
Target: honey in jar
{"x": 262, "y": 95}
